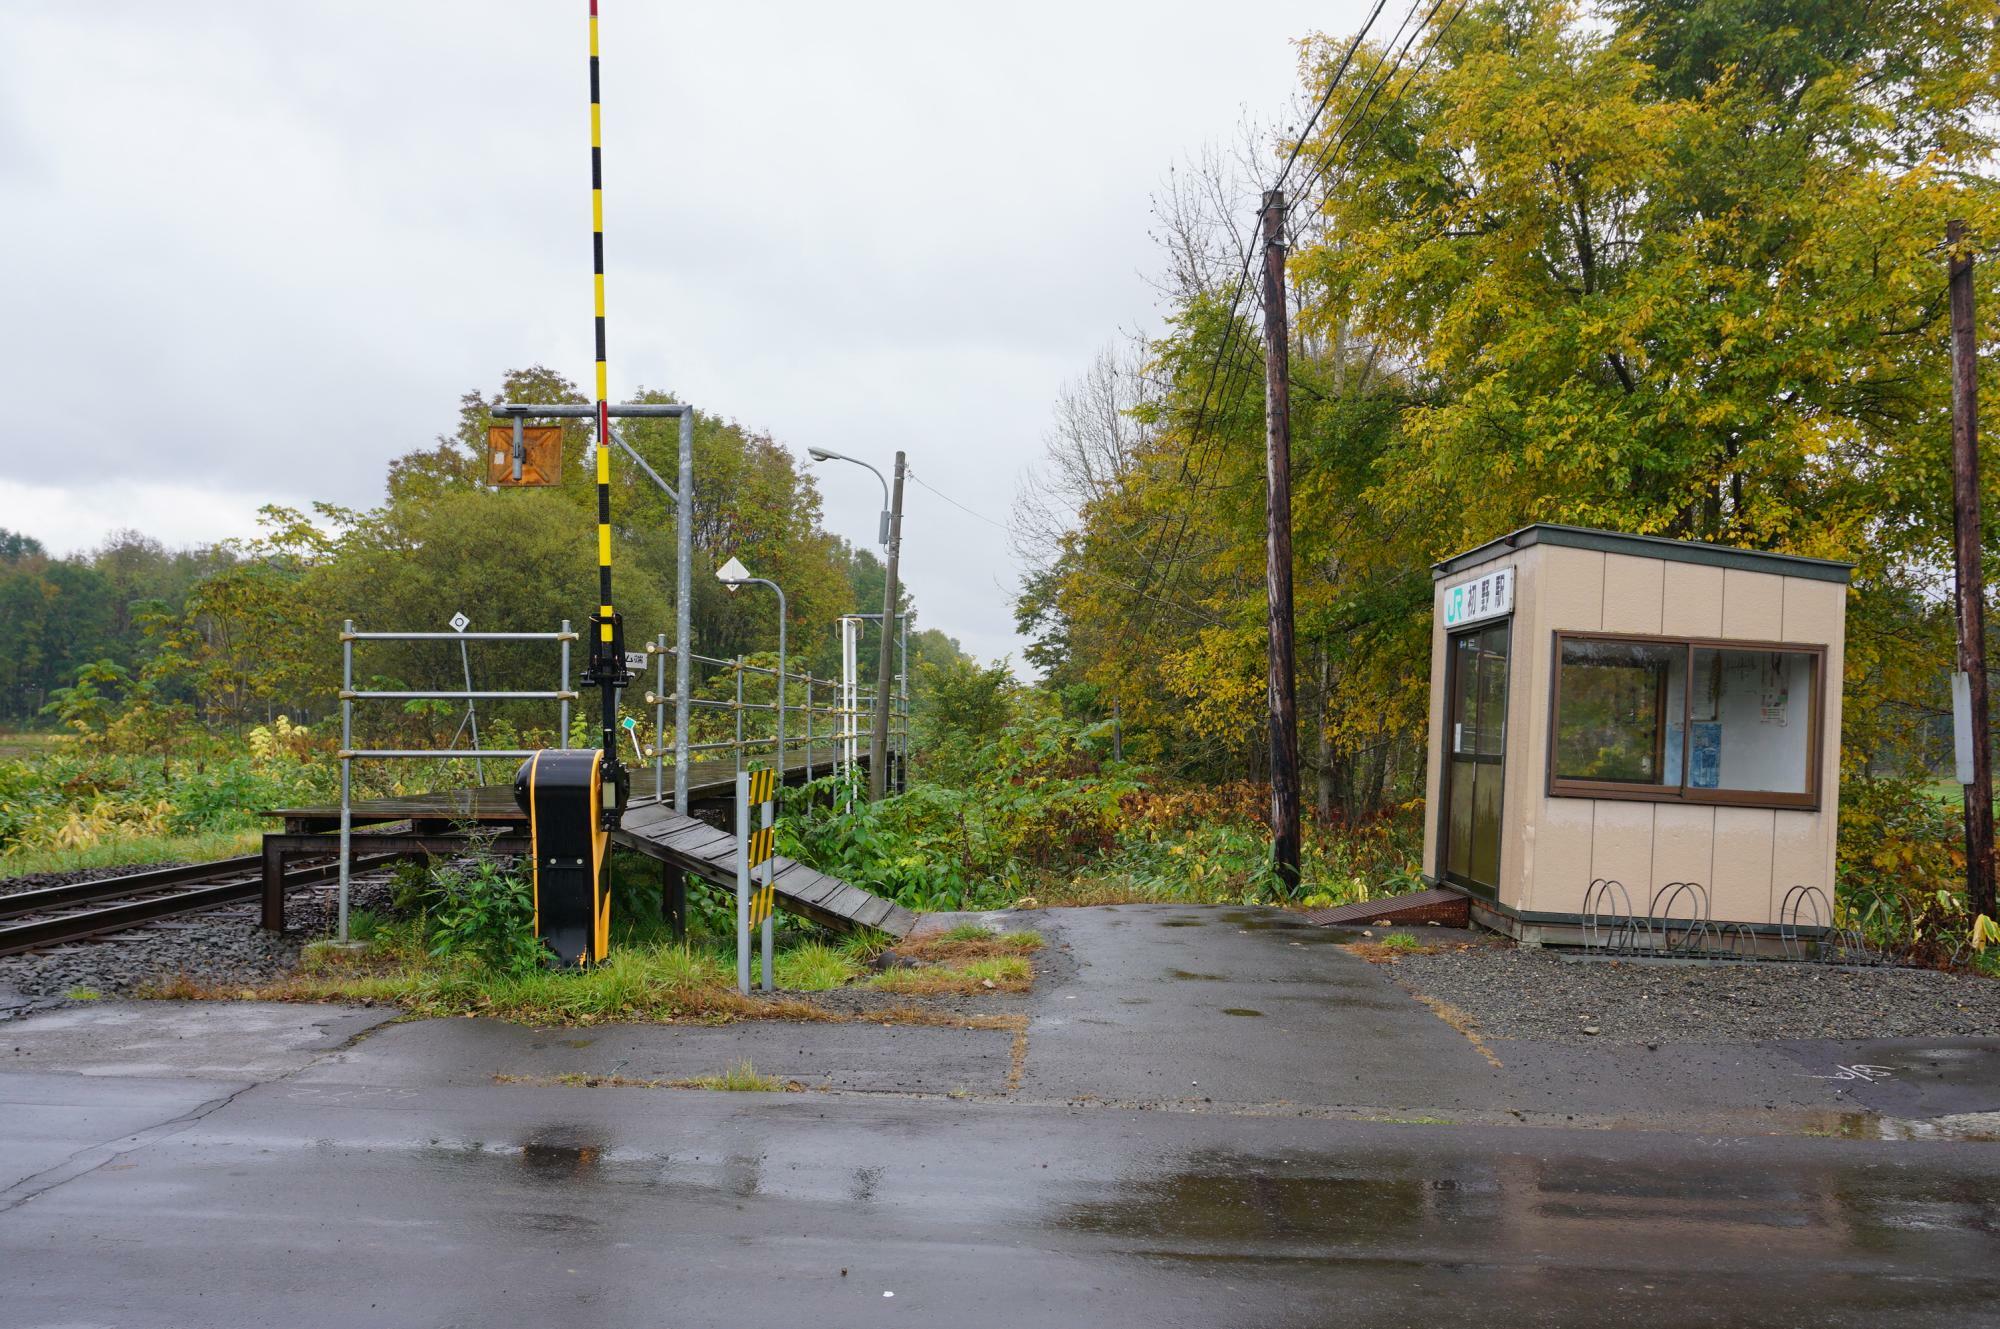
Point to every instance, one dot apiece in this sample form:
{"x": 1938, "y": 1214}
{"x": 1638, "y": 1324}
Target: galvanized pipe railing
{"x": 843, "y": 735}
{"x": 349, "y": 694}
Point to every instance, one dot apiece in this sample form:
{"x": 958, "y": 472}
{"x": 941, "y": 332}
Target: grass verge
{"x": 659, "y": 984}
{"x": 656, "y": 981}
{"x": 138, "y": 851}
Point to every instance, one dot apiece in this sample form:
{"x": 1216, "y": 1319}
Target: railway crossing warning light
{"x": 562, "y": 790}
{"x": 523, "y": 455}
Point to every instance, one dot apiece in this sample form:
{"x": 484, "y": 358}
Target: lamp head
{"x": 819, "y": 454}
{"x": 732, "y": 574}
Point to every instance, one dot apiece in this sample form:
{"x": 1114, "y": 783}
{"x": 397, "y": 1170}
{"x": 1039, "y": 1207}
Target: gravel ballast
{"x": 1543, "y": 996}
{"x": 221, "y": 948}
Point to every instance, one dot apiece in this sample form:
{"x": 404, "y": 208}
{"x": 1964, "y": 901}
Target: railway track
{"x": 32, "y": 920}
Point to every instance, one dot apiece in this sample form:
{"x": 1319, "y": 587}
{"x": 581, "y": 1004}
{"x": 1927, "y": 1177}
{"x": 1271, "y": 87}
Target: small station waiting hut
{"x": 1636, "y": 709}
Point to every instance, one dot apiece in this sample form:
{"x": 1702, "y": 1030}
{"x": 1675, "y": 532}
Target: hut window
{"x": 1687, "y": 720}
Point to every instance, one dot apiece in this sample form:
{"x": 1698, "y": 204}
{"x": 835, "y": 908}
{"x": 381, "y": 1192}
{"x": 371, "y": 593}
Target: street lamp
{"x": 732, "y": 575}
{"x": 885, "y": 531}
{"x": 892, "y": 542}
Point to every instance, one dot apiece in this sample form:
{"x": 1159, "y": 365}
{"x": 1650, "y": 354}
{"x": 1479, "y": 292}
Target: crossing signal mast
{"x": 607, "y": 638}
{"x": 576, "y": 798}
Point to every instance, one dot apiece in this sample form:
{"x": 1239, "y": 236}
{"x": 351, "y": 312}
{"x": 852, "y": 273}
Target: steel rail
{"x": 131, "y": 883}
{"x": 37, "y": 933}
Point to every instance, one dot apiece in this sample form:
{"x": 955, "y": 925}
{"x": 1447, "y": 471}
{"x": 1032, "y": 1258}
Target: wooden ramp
{"x": 657, "y": 831}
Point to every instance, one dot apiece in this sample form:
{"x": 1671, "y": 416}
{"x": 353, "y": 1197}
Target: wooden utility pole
{"x": 878, "y": 747}
{"x": 1971, "y": 575}
{"x": 1278, "y": 549}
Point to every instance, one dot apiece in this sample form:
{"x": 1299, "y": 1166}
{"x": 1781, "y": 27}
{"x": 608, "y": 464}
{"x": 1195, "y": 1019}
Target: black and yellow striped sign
{"x": 760, "y": 788}
{"x": 760, "y": 845}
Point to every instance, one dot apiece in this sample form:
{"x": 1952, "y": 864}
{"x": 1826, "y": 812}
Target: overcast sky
{"x": 252, "y": 251}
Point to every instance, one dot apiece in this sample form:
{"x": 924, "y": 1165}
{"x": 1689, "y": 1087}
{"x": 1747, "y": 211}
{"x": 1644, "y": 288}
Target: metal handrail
{"x": 564, "y": 635}
{"x": 459, "y": 696}
{"x": 441, "y": 754}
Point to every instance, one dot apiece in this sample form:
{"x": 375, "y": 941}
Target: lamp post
{"x": 891, "y": 535}
{"x": 732, "y": 575}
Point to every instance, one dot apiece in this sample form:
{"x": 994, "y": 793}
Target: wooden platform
{"x": 1446, "y": 908}
{"x": 658, "y": 832}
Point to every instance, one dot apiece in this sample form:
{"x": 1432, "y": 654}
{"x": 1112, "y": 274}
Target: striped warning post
{"x": 762, "y": 903}
{"x": 605, "y": 610}
{"x": 763, "y": 791}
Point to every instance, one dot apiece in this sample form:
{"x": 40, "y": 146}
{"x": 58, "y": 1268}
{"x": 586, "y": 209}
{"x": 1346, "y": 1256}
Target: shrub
{"x": 1900, "y": 874}
{"x": 485, "y": 915}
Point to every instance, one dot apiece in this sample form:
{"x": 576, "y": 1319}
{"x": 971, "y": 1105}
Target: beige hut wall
{"x": 1748, "y": 858}
{"x": 1552, "y": 848}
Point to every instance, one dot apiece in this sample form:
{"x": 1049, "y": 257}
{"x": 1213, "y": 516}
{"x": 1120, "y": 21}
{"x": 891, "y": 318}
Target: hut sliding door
{"x": 1475, "y": 739}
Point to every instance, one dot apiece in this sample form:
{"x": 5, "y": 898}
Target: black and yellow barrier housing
{"x": 562, "y": 790}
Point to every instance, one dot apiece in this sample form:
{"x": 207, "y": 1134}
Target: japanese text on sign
{"x": 1489, "y": 596}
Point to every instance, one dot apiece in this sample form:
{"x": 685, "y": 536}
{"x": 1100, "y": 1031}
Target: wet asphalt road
{"x": 297, "y": 1166}
{"x": 308, "y": 1205}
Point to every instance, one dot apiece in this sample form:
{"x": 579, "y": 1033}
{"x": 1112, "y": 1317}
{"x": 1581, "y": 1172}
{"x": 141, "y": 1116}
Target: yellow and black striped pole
{"x": 607, "y": 647}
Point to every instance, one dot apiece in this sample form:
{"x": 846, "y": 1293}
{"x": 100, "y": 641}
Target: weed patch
{"x": 742, "y": 1078}
{"x": 997, "y": 973}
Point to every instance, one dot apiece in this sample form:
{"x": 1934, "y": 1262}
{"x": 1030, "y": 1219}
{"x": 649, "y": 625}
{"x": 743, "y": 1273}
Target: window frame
{"x": 1680, "y": 791}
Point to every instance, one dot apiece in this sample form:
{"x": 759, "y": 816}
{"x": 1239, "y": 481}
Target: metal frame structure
{"x": 349, "y": 754}
{"x": 843, "y": 737}
{"x": 518, "y": 412}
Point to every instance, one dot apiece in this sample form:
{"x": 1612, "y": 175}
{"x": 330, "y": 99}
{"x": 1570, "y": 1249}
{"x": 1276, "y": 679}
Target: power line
{"x": 1325, "y": 159}
{"x": 1243, "y": 274}
{"x": 910, "y": 474}
{"x": 1236, "y": 294}
{"x": 1327, "y": 96}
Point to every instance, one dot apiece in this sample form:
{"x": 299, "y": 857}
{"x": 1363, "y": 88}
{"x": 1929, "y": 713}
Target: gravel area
{"x": 223, "y": 947}
{"x": 1538, "y": 995}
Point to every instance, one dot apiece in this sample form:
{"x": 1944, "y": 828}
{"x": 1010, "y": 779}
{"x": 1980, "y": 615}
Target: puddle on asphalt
{"x": 566, "y": 1157}
{"x": 1181, "y": 923}
{"x": 1239, "y": 1010}
{"x": 1973, "y": 1127}
{"x": 561, "y": 1153}
{"x": 1220, "y": 1203}
{"x": 1186, "y": 976}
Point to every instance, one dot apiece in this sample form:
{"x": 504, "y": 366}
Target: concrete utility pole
{"x": 1970, "y": 574}
{"x": 878, "y": 749}
{"x": 1278, "y": 549}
